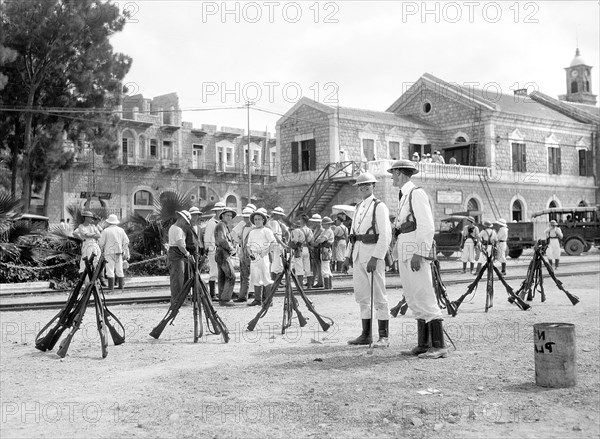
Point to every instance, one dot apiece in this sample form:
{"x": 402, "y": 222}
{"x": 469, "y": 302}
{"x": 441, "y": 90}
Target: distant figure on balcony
{"x": 453, "y": 161}
{"x": 427, "y": 158}
{"x": 415, "y": 157}
{"x": 439, "y": 158}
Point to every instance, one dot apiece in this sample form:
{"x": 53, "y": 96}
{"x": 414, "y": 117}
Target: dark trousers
{"x": 176, "y": 262}
{"x": 225, "y": 276}
{"x": 244, "y": 277}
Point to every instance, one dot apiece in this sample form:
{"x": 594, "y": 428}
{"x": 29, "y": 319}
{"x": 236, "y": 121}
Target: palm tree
{"x": 150, "y": 234}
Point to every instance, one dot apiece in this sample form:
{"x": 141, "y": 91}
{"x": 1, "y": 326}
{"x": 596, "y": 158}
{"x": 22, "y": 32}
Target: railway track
{"x": 393, "y": 283}
{"x": 338, "y": 277}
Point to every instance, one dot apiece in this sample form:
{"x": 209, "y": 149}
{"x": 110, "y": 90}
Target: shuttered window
{"x": 554, "y": 161}
{"x": 585, "y": 163}
{"x": 295, "y": 157}
{"x": 519, "y": 157}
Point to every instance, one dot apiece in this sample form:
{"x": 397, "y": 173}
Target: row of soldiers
{"x": 495, "y": 243}
{"x": 259, "y": 240}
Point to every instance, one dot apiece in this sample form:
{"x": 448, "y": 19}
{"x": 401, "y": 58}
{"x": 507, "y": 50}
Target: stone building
{"x": 158, "y": 153}
{"x": 515, "y": 154}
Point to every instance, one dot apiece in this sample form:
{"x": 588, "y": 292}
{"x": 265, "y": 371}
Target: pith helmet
{"x": 112, "y": 219}
{"x": 219, "y": 205}
{"x": 365, "y": 178}
{"x": 262, "y": 212}
{"x": 326, "y": 220}
{"x": 553, "y": 223}
{"x": 278, "y": 211}
{"x": 185, "y": 215}
{"x": 487, "y": 223}
{"x": 228, "y": 210}
{"x": 316, "y": 218}
{"x": 501, "y": 222}
{"x": 407, "y": 165}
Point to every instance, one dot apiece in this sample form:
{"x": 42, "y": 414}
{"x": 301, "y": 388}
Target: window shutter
{"x": 558, "y": 164}
{"x": 312, "y": 154}
{"x": 294, "y": 156}
{"x": 589, "y": 163}
{"x": 515, "y": 157}
{"x": 523, "y": 158}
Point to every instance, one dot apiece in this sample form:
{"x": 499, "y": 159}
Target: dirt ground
{"x": 305, "y": 383}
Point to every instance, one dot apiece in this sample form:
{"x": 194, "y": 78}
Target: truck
{"x": 580, "y": 227}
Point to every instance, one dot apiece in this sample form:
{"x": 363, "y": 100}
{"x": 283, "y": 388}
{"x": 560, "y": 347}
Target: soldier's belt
{"x": 369, "y": 238}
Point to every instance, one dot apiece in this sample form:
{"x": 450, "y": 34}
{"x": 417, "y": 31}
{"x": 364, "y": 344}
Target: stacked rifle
{"x": 201, "y": 303}
{"x": 534, "y": 280}
{"x": 71, "y": 315}
{"x": 290, "y": 303}
{"x": 490, "y": 269}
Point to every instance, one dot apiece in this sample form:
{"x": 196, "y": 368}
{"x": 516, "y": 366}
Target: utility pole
{"x": 248, "y": 104}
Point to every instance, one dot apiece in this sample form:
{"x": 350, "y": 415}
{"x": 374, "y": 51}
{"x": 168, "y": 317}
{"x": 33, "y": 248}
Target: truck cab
{"x": 580, "y": 226}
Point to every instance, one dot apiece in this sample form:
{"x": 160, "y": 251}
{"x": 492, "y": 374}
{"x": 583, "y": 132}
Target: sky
{"x": 361, "y": 54}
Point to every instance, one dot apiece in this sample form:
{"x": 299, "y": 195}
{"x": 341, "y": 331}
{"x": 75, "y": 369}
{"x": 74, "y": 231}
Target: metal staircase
{"x": 490, "y": 196}
{"x": 329, "y": 182}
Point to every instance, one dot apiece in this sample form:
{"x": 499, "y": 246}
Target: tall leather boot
{"x": 266, "y": 290}
{"x": 555, "y": 264}
{"x": 327, "y": 282}
{"x": 503, "y": 268}
{"x": 121, "y": 282}
{"x": 422, "y": 339}
{"x": 365, "y": 337}
{"x": 309, "y": 282}
{"x": 383, "y": 334}
{"x": 111, "y": 283}
{"x": 257, "y": 296}
{"x": 472, "y": 264}
{"x": 464, "y": 267}
{"x": 339, "y": 266}
{"x": 211, "y": 287}
{"x": 438, "y": 347}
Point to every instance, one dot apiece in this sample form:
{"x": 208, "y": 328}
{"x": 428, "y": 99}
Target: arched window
{"x": 142, "y": 203}
{"x": 517, "y": 211}
{"x": 473, "y": 209}
{"x": 573, "y": 87}
{"x": 552, "y": 205}
{"x": 143, "y": 198}
{"x": 231, "y": 201}
{"x": 583, "y": 203}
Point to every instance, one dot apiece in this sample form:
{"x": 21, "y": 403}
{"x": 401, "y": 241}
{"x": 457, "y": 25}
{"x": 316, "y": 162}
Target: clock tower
{"x": 579, "y": 82}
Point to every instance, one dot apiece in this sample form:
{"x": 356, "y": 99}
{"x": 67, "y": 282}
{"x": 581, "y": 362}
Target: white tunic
{"x": 260, "y": 242}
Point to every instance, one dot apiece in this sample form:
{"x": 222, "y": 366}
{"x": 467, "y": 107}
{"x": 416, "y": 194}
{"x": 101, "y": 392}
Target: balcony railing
{"x": 434, "y": 171}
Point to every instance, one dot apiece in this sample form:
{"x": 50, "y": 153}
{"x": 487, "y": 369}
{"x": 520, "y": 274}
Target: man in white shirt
{"x": 114, "y": 244}
{"x": 415, "y": 229}
{"x": 370, "y": 236}
{"x": 177, "y": 254}
{"x": 209, "y": 245}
